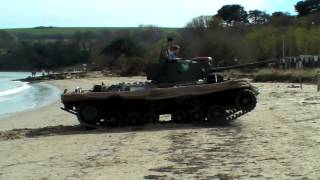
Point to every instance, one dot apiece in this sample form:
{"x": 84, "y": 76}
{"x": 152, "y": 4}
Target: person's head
{"x": 176, "y": 49}
{"x": 170, "y": 41}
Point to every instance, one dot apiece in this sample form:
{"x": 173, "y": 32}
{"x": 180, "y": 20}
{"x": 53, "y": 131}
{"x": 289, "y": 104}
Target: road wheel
{"x": 151, "y": 118}
{"x": 134, "y": 119}
{"x": 113, "y": 119}
{"x": 216, "y": 115}
{"x": 179, "y": 117}
{"x": 246, "y": 100}
{"x": 196, "y": 116}
{"x": 88, "y": 113}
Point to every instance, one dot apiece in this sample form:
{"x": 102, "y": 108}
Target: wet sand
{"x": 280, "y": 139}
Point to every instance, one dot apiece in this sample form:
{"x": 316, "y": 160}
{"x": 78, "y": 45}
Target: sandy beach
{"x": 280, "y": 139}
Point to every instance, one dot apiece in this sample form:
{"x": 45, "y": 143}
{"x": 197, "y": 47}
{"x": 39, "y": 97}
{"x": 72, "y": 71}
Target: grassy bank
{"x": 72, "y": 30}
{"x": 275, "y": 75}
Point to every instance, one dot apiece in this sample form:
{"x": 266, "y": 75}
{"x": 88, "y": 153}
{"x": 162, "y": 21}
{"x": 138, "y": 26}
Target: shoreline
{"x": 31, "y": 118}
{"x": 51, "y": 114}
{"x": 44, "y": 94}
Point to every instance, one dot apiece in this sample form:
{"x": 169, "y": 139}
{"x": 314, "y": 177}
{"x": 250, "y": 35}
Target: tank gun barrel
{"x": 219, "y": 69}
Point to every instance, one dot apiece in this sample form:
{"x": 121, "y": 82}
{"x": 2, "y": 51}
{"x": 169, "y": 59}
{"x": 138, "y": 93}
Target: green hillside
{"x": 72, "y": 30}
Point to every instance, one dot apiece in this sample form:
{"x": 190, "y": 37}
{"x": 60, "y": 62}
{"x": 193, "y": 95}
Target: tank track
{"x": 231, "y": 114}
{"x": 234, "y": 114}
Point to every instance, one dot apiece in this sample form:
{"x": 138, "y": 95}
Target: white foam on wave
{"x": 4, "y": 99}
{"x": 16, "y": 90}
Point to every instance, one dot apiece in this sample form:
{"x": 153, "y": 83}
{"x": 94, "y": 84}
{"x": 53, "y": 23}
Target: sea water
{"x": 18, "y": 96}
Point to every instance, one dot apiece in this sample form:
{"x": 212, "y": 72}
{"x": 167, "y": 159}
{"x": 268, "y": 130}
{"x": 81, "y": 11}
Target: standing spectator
{"x": 33, "y": 74}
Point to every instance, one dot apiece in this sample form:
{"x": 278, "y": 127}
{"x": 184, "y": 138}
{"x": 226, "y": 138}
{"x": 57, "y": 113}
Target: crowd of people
{"x": 299, "y": 62}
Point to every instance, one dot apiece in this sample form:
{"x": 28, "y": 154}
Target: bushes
{"x": 275, "y": 75}
{"x": 293, "y": 76}
{"x": 131, "y": 66}
{"x": 263, "y": 42}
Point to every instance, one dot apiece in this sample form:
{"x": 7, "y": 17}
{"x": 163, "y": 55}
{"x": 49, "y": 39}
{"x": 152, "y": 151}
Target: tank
{"x": 190, "y": 91}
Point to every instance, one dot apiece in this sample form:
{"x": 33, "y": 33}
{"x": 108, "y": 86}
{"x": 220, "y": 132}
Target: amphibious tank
{"x": 189, "y": 90}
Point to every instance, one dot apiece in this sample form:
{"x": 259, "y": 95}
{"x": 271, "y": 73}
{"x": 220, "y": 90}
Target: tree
{"x": 257, "y": 17}
{"x": 122, "y": 46}
{"x": 56, "y": 54}
{"x": 200, "y": 24}
{"x": 279, "y": 19}
{"x": 307, "y": 7}
{"x": 233, "y": 13}
{"x": 301, "y": 8}
{"x": 147, "y": 34}
{"x": 263, "y": 42}
{"x": 7, "y": 40}
{"x": 301, "y": 40}
{"x": 84, "y": 40}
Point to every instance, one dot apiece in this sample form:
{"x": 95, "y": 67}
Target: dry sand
{"x": 280, "y": 139}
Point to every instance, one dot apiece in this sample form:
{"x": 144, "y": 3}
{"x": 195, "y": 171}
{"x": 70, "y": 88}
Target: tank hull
{"x": 200, "y": 103}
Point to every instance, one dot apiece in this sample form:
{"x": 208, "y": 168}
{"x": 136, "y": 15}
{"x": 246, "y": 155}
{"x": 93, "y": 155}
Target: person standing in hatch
{"x": 171, "y": 50}
{"x": 174, "y": 52}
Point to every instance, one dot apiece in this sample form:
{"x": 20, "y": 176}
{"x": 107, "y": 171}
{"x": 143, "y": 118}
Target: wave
{"x": 4, "y": 99}
{"x": 15, "y": 90}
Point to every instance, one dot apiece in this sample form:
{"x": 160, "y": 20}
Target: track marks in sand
{"x": 46, "y": 131}
{"x": 261, "y": 146}
{"x": 64, "y": 156}
{"x": 192, "y": 153}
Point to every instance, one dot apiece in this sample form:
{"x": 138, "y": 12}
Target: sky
{"x": 120, "y": 13}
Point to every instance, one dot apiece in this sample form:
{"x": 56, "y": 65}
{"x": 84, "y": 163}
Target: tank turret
{"x": 191, "y": 70}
